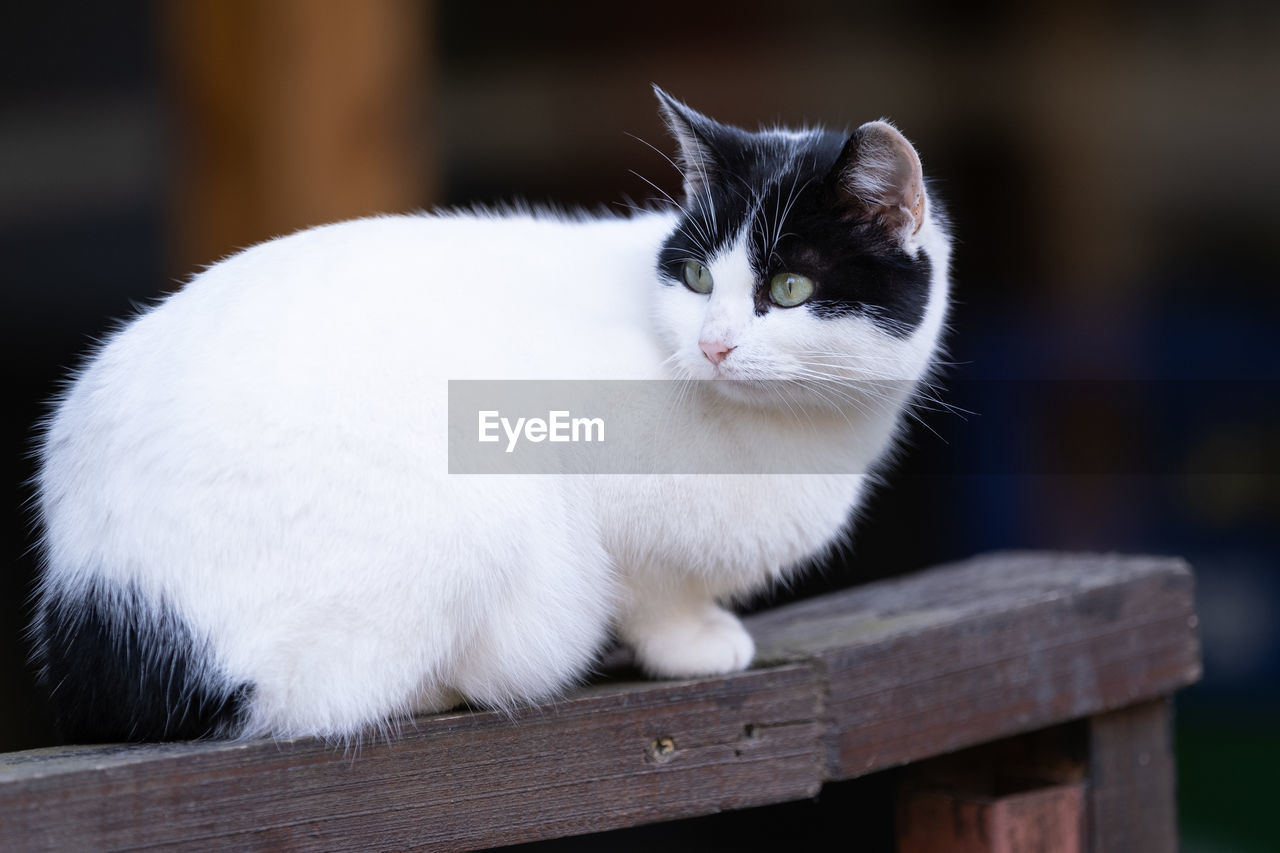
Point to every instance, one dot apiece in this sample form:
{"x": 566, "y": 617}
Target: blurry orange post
{"x": 289, "y": 113}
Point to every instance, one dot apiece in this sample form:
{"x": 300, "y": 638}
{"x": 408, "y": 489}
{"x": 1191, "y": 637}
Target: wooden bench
{"x": 1027, "y": 692}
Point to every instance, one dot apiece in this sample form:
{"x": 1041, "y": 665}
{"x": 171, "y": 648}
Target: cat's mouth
{"x": 751, "y": 391}
{"x": 734, "y": 374}
{"x": 796, "y": 394}
{"x": 725, "y": 374}
{"x": 733, "y": 367}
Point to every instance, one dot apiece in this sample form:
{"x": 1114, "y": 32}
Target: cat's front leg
{"x": 684, "y": 634}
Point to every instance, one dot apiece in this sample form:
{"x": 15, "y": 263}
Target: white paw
{"x": 709, "y": 641}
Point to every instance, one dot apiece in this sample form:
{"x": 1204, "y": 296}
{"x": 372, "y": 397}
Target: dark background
{"x": 1111, "y": 170}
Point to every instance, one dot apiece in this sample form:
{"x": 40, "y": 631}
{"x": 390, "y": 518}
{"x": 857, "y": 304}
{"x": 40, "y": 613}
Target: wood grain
{"x": 1046, "y": 819}
{"x": 1132, "y": 803}
{"x": 846, "y": 685}
{"x": 976, "y": 651}
{"x": 1026, "y": 793}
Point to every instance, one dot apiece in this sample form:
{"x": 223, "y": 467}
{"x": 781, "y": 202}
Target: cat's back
{"x": 357, "y": 327}
{"x": 476, "y": 295}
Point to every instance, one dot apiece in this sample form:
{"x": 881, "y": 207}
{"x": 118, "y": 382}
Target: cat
{"x": 247, "y": 523}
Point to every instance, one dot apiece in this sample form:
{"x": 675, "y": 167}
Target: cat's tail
{"x": 118, "y": 665}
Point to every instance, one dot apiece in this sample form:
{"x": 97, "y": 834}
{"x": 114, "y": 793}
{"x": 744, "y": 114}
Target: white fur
{"x": 266, "y": 449}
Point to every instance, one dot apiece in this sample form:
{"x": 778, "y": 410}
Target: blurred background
{"x": 1111, "y": 170}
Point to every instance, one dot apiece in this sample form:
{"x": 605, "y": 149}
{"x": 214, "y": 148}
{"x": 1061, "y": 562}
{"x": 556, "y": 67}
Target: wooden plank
{"x": 981, "y": 650}
{"x": 1132, "y": 794}
{"x": 615, "y": 755}
{"x": 1020, "y": 794}
{"x": 846, "y": 685}
{"x": 1047, "y": 819}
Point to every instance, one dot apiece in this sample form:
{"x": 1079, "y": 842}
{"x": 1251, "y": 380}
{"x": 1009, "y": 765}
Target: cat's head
{"x": 811, "y": 256}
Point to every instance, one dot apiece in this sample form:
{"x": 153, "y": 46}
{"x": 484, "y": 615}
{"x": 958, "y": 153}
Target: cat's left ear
{"x": 696, "y": 135}
{"x": 877, "y": 178}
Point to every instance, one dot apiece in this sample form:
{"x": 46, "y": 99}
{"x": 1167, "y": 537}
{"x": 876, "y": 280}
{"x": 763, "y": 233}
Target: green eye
{"x": 789, "y": 289}
{"x": 697, "y": 277}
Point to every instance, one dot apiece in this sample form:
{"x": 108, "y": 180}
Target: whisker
{"x": 662, "y": 154}
{"x": 665, "y": 194}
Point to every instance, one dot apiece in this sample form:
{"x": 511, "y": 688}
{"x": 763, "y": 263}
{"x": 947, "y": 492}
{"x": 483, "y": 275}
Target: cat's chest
{"x": 741, "y": 528}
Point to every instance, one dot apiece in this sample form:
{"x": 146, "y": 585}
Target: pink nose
{"x": 715, "y": 351}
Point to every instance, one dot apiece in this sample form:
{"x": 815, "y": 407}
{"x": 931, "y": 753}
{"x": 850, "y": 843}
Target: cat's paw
{"x": 709, "y": 641}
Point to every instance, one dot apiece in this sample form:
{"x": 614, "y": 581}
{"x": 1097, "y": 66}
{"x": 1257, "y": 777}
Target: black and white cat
{"x": 249, "y": 527}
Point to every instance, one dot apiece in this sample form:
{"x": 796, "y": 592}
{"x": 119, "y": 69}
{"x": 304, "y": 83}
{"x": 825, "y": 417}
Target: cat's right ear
{"x": 877, "y": 178}
{"x": 695, "y": 134}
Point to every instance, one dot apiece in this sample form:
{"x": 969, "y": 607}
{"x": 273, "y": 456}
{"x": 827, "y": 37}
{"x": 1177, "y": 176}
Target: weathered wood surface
{"x": 1047, "y": 819}
{"x": 844, "y": 685}
{"x": 1026, "y": 793}
{"x": 981, "y": 650}
{"x": 1131, "y": 772}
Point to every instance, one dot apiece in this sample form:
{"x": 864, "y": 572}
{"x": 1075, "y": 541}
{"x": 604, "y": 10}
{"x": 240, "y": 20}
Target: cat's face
{"x": 805, "y": 256}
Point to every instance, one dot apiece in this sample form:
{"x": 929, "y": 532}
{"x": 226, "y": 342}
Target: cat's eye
{"x": 789, "y": 289}
{"x": 697, "y": 276}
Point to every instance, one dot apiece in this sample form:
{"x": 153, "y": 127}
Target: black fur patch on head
{"x": 856, "y": 266}
{"x": 118, "y": 666}
{"x": 783, "y": 189}
{"x": 713, "y": 214}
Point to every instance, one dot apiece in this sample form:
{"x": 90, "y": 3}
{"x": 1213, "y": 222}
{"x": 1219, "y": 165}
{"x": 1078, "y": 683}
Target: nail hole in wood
{"x": 661, "y": 749}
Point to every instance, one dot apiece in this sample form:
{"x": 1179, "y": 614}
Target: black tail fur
{"x": 120, "y": 666}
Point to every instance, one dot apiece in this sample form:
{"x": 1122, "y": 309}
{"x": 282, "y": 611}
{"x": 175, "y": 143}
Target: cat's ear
{"x": 877, "y": 178}
{"x": 696, "y": 135}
